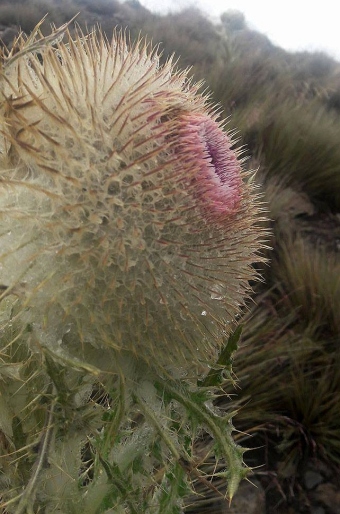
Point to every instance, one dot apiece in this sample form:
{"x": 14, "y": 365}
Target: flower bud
{"x": 127, "y": 221}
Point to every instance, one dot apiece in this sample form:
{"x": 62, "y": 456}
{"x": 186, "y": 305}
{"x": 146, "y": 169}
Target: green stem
{"x": 28, "y": 495}
{"x": 119, "y": 415}
{"x": 149, "y": 414}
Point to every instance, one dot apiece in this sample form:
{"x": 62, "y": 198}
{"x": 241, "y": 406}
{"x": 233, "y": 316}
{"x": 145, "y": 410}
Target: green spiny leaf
{"x": 216, "y": 375}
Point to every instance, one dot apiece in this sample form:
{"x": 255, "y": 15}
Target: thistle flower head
{"x": 127, "y": 221}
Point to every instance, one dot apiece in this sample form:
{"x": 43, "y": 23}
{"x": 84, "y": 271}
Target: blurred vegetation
{"x": 286, "y": 107}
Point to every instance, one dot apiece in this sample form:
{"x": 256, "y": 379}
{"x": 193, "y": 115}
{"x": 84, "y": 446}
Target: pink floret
{"x": 217, "y": 177}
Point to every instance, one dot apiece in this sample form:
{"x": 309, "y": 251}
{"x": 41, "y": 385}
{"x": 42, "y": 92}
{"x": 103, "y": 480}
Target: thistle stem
{"x": 29, "y": 492}
{"x": 150, "y": 415}
{"x": 119, "y": 416}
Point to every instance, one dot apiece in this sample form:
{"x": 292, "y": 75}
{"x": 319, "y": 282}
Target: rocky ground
{"x": 317, "y": 491}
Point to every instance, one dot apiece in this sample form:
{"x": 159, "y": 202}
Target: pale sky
{"x": 292, "y": 24}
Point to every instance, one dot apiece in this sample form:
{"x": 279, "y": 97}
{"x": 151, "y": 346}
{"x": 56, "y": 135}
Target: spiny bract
{"x": 126, "y": 219}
